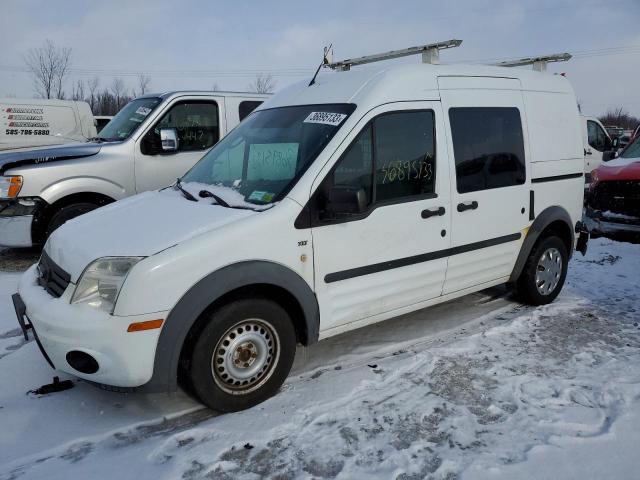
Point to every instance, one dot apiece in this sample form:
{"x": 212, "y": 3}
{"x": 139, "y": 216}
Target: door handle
{"x": 432, "y": 213}
{"x": 588, "y": 152}
{"x": 467, "y": 206}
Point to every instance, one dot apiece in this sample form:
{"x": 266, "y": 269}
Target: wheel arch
{"x": 553, "y": 220}
{"x": 242, "y": 280}
{"x": 46, "y": 213}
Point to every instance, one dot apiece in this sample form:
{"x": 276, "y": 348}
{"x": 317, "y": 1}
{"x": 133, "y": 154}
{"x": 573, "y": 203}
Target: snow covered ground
{"x": 477, "y": 388}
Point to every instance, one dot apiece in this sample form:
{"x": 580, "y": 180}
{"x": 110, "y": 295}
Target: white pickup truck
{"x": 153, "y": 140}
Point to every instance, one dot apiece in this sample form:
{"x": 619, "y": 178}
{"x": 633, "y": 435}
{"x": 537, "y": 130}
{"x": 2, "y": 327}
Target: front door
{"x": 598, "y": 141}
{"x": 489, "y": 190}
{"x": 197, "y": 123}
{"x": 393, "y": 254}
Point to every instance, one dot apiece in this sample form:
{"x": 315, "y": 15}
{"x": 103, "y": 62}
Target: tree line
{"x": 49, "y": 67}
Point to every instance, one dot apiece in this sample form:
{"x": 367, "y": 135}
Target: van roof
{"x": 395, "y": 83}
{"x": 39, "y": 101}
{"x": 225, "y": 93}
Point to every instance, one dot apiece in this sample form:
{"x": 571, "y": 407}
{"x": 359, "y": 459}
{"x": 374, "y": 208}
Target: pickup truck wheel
{"x": 544, "y": 272}
{"x": 67, "y": 213}
{"x": 243, "y": 355}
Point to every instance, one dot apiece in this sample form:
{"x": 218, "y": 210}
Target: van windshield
{"x": 129, "y": 119}
{"x": 260, "y": 161}
{"x": 633, "y": 150}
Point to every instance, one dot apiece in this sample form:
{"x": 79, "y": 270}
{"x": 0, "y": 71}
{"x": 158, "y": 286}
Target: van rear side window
{"x": 247, "y": 107}
{"x": 488, "y": 147}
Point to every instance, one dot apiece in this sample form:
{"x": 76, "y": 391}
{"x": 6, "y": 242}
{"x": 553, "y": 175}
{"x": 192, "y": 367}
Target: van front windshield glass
{"x": 260, "y": 161}
{"x": 633, "y": 150}
{"x": 129, "y": 119}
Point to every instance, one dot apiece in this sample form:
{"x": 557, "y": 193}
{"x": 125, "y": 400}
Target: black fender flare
{"x": 542, "y": 221}
{"x": 206, "y": 291}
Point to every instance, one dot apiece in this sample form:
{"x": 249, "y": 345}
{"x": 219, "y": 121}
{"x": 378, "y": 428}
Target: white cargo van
{"x": 598, "y": 146}
{"x": 38, "y": 122}
{"x": 355, "y": 198}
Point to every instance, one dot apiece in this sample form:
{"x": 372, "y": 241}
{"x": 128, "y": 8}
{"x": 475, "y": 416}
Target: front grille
{"x": 51, "y": 277}
{"x": 620, "y": 196}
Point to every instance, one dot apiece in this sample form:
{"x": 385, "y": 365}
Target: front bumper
{"x": 16, "y": 221}
{"x": 125, "y": 359}
{"x": 15, "y": 232}
{"x": 606, "y": 222}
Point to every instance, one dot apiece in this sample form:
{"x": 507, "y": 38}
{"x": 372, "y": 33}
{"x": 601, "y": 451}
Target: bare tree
{"x": 143, "y": 85}
{"x": 119, "y": 93}
{"x": 93, "y": 90}
{"x": 262, "y": 84}
{"x": 48, "y": 65}
{"x": 619, "y": 117}
{"x": 77, "y": 90}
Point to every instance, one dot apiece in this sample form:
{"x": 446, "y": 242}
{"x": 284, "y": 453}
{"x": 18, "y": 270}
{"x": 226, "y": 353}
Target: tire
{"x": 544, "y": 272}
{"x": 243, "y": 355}
{"x": 67, "y": 213}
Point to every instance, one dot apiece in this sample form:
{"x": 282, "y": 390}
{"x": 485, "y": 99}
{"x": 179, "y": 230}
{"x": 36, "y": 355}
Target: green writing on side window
{"x": 272, "y": 161}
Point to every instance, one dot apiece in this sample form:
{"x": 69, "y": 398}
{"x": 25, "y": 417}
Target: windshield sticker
{"x": 261, "y": 196}
{"x": 272, "y": 161}
{"x": 326, "y": 118}
{"x": 144, "y": 111}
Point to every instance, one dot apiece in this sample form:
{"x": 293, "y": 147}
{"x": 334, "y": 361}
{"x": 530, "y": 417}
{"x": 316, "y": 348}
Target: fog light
{"x": 82, "y": 362}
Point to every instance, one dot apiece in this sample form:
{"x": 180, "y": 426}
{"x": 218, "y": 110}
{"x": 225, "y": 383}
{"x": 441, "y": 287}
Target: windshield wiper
{"x": 99, "y": 139}
{"x": 208, "y": 194}
{"x": 186, "y": 194}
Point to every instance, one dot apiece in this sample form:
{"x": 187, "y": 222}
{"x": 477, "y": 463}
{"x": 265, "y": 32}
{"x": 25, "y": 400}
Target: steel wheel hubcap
{"x": 548, "y": 271}
{"x": 245, "y": 356}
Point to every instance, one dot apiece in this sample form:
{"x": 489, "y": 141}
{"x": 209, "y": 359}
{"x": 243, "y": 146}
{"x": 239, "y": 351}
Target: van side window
{"x": 404, "y": 155}
{"x": 396, "y": 151}
{"x": 596, "y": 136}
{"x": 247, "y": 107}
{"x": 355, "y": 168}
{"x": 488, "y": 147}
{"x": 196, "y": 123}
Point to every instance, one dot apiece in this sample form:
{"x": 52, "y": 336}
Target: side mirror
{"x": 615, "y": 143}
{"x": 346, "y": 200}
{"x": 608, "y": 155}
{"x": 169, "y": 139}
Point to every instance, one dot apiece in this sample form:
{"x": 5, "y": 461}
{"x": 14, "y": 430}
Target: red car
{"x": 613, "y": 202}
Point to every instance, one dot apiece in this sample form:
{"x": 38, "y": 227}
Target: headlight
{"x": 10, "y": 186}
{"x": 100, "y": 283}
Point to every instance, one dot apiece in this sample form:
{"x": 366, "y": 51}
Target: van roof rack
{"x": 539, "y": 63}
{"x": 430, "y": 54}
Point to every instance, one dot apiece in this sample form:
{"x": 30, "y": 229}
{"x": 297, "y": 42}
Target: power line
{"x": 287, "y": 71}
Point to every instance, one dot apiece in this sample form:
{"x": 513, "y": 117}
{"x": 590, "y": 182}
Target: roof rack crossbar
{"x": 430, "y": 54}
{"x": 539, "y": 63}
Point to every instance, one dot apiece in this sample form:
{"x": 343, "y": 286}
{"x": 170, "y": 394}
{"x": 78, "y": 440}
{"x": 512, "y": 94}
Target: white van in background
{"x": 38, "y": 122}
{"x": 596, "y": 142}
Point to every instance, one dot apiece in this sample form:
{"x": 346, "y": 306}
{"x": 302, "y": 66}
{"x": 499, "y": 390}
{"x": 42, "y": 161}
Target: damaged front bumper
{"x": 16, "y": 221}
{"x": 608, "y": 222}
{"x": 26, "y": 325}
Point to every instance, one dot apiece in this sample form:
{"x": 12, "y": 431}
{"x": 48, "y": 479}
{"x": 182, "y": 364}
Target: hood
{"x": 138, "y": 226}
{"x": 618, "y": 169}
{"x": 32, "y": 156}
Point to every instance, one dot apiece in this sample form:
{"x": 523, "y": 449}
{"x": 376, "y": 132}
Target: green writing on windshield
{"x": 272, "y": 161}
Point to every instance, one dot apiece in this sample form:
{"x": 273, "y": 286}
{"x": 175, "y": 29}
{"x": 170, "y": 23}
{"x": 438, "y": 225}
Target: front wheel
{"x": 544, "y": 273}
{"x": 243, "y": 355}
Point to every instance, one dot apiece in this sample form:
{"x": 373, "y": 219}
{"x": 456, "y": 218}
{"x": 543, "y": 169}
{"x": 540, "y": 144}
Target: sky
{"x": 198, "y": 44}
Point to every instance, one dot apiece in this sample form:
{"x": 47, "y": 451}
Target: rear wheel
{"x": 544, "y": 272}
{"x": 67, "y": 213}
{"x": 243, "y": 355}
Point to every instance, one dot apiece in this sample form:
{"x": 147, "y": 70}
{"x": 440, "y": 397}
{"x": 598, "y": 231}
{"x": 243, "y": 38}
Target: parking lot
{"x": 478, "y": 388}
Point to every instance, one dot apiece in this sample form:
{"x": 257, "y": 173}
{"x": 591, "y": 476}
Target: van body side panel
{"x": 557, "y": 151}
{"x": 501, "y": 213}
